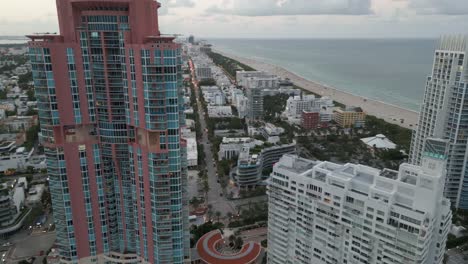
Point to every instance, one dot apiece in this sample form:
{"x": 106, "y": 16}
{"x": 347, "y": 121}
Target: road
{"x": 214, "y": 198}
{"x": 26, "y": 244}
{"x": 457, "y": 256}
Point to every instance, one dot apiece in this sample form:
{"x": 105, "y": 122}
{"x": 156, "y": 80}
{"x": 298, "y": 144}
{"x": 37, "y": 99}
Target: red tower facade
{"x": 110, "y": 101}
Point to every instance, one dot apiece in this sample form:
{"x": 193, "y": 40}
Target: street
{"x": 26, "y": 244}
{"x": 215, "y": 198}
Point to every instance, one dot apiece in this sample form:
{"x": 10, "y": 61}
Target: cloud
{"x": 441, "y": 7}
{"x": 169, "y": 4}
{"x": 291, "y": 7}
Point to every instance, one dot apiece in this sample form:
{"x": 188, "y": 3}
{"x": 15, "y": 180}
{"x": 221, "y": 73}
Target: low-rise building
{"x": 310, "y": 119}
{"x": 322, "y": 212}
{"x": 253, "y": 161}
{"x": 231, "y": 147}
{"x": 271, "y": 132}
{"x": 203, "y": 72}
{"x": 192, "y": 150}
{"x": 213, "y": 95}
{"x": 219, "y": 111}
{"x": 296, "y": 105}
{"x": 257, "y": 79}
{"x": 350, "y": 117}
{"x": 19, "y": 123}
{"x": 379, "y": 142}
{"x": 8, "y": 105}
{"x": 12, "y": 197}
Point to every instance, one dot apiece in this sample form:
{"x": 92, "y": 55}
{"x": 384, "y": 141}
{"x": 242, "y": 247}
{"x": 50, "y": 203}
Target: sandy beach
{"x": 390, "y": 113}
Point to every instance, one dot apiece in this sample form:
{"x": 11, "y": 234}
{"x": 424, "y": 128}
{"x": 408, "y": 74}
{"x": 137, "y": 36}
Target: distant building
{"x": 252, "y": 162}
{"x": 219, "y": 111}
{"x": 213, "y": 95}
{"x": 7, "y": 105}
{"x": 296, "y": 105}
{"x": 350, "y": 117}
{"x": 2, "y": 114}
{"x": 322, "y": 212}
{"x": 191, "y": 39}
{"x": 257, "y": 79}
{"x": 254, "y": 103}
{"x": 12, "y": 197}
{"x": 192, "y": 150}
{"x": 231, "y": 147}
{"x": 203, "y": 72}
{"x": 444, "y": 114}
{"x": 271, "y": 132}
{"x": 379, "y": 141}
{"x": 19, "y": 123}
{"x": 310, "y": 120}
{"x": 205, "y": 48}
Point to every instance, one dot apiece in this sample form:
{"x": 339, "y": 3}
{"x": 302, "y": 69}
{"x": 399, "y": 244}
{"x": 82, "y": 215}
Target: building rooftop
{"x": 379, "y": 141}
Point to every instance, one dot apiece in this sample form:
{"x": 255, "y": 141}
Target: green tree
{"x": 218, "y": 215}
{"x": 238, "y": 243}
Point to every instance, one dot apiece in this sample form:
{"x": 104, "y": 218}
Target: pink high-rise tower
{"x": 110, "y": 100}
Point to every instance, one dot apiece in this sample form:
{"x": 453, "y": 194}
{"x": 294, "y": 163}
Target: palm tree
{"x": 239, "y": 242}
{"x": 218, "y": 215}
{"x": 232, "y": 238}
{"x": 210, "y": 214}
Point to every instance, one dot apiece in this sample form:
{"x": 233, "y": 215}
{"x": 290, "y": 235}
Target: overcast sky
{"x": 273, "y": 18}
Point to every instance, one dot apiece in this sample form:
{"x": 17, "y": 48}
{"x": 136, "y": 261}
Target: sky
{"x": 273, "y": 18}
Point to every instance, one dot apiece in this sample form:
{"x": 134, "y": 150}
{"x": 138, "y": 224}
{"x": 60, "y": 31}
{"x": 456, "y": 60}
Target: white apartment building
{"x": 203, "y": 72}
{"x": 322, "y": 212}
{"x": 443, "y": 114}
{"x": 257, "y": 79}
{"x": 219, "y": 111}
{"x": 231, "y": 147}
{"x": 295, "y": 105}
{"x": 271, "y": 132}
{"x": 213, "y": 95}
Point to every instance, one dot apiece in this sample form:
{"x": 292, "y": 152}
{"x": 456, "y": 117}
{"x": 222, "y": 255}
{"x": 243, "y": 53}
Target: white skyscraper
{"x": 321, "y": 212}
{"x": 444, "y": 114}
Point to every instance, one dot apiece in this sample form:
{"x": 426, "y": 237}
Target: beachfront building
{"x": 349, "y": 117}
{"x": 322, "y": 212}
{"x": 110, "y": 100}
{"x": 443, "y": 115}
{"x": 296, "y": 105}
{"x": 310, "y": 120}
{"x": 257, "y": 79}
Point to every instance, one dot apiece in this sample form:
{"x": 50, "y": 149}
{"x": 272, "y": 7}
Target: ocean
{"x": 389, "y": 70}
{"x": 13, "y": 40}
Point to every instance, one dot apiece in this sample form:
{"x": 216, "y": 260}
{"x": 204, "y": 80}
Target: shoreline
{"x": 389, "y": 112}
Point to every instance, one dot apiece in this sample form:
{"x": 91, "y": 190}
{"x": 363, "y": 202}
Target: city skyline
{"x": 274, "y": 18}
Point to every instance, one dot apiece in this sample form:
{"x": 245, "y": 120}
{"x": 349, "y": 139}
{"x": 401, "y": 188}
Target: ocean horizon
{"x": 393, "y": 71}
